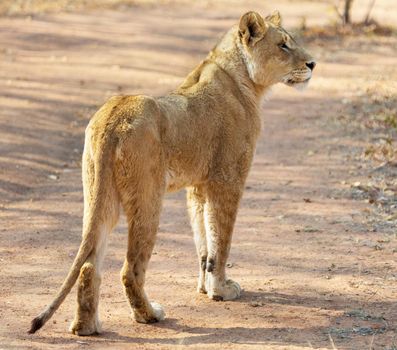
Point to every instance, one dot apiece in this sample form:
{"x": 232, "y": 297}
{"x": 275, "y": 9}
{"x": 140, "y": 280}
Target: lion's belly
{"x": 176, "y": 181}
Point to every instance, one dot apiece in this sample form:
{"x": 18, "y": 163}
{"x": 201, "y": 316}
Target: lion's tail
{"x": 96, "y": 214}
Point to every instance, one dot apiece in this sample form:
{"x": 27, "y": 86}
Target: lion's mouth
{"x": 292, "y": 82}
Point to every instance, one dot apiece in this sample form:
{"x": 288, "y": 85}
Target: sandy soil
{"x": 315, "y": 272}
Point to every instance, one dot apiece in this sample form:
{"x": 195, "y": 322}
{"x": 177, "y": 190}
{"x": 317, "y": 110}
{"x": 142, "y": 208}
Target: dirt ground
{"x": 316, "y": 262}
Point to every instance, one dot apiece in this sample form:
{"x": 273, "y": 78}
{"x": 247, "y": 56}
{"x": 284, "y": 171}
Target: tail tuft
{"x": 37, "y": 323}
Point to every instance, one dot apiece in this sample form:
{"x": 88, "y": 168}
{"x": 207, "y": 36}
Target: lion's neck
{"x": 227, "y": 55}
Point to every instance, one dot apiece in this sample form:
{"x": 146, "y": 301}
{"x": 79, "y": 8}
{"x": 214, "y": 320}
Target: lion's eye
{"x": 284, "y": 46}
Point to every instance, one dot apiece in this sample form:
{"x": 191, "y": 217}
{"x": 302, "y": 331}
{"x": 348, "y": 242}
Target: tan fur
{"x": 201, "y": 137}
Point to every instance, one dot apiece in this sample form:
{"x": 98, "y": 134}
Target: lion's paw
{"x": 229, "y": 290}
{"x": 158, "y": 311}
{"x": 84, "y": 329}
{"x": 157, "y": 314}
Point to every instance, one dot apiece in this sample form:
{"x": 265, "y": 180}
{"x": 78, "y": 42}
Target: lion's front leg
{"x": 220, "y": 212}
{"x": 195, "y": 202}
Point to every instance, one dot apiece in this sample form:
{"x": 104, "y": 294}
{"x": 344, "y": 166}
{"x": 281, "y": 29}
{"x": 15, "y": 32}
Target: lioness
{"x": 201, "y": 137}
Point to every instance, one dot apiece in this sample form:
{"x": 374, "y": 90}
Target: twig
{"x": 332, "y": 341}
{"x": 336, "y": 8}
{"x": 370, "y": 7}
{"x": 372, "y": 342}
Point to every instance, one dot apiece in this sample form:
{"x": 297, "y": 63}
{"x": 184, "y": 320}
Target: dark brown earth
{"x": 316, "y": 271}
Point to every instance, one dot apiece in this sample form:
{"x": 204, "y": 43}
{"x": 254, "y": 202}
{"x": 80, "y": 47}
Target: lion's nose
{"x": 311, "y": 65}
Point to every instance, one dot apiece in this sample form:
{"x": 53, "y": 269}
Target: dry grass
{"x": 373, "y": 114}
{"x": 332, "y": 31}
{"x": 27, "y": 7}
{"x": 376, "y": 111}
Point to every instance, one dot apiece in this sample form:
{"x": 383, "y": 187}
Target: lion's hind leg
{"x": 141, "y": 184}
{"x": 143, "y": 219}
{"x": 86, "y": 321}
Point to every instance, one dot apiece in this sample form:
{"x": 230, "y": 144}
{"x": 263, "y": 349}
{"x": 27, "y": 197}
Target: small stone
{"x": 256, "y": 303}
{"x": 82, "y": 342}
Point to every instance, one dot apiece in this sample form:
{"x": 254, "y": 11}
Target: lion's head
{"x": 270, "y": 53}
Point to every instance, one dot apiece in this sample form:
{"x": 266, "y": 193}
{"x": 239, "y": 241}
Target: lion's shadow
{"x": 257, "y": 335}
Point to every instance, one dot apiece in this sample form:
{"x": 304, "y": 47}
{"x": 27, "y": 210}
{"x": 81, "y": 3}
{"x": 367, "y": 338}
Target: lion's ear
{"x": 252, "y": 27}
{"x": 275, "y": 18}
